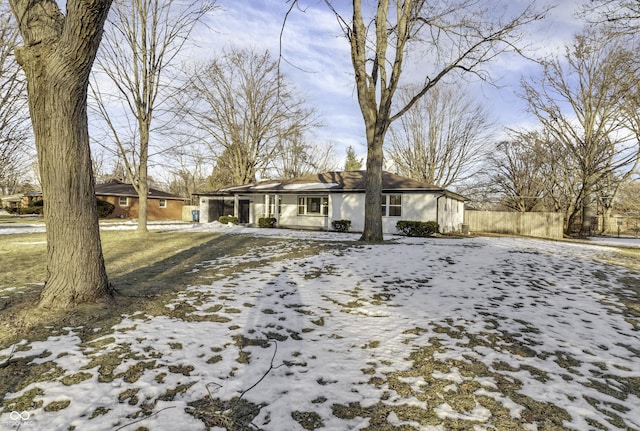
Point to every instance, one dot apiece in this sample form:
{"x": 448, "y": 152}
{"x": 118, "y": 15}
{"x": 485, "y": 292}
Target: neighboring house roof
{"x": 334, "y": 182}
{"x": 18, "y": 197}
{"x": 12, "y": 198}
{"x": 118, "y": 188}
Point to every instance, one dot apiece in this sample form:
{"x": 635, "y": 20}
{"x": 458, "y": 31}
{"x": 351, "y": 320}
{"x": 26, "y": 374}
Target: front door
{"x": 243, "y": 209}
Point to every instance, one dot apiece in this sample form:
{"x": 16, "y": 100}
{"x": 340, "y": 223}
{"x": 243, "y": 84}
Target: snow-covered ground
{"x": 215, "y": 226}
{"x": 483, "y": 333}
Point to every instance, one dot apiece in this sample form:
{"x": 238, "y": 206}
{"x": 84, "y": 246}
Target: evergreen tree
{"x": 353, "y": 163}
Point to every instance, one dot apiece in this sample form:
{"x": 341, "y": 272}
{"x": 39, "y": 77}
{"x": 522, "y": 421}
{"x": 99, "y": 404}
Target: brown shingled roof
{"x": 353, "y": 181}
{"x": 117, "y": 188}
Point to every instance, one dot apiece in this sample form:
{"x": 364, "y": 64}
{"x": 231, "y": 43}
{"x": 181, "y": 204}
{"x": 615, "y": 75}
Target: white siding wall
{"x": 289, "y": 210}
{"x": 289, "y": 215}
{"x": 350, "y": 206}
{"x": 204, "y": 210}
{"x": 451, "y": 215}
{"x": 419, "y": 207}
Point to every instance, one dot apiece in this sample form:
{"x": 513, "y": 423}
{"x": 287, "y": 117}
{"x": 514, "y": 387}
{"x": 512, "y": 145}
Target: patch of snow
{"x": 479, "y": 413}
{"x": 310, "y": 186}
{"x": 265, "y": 186}
{"x": 453, "y": 375}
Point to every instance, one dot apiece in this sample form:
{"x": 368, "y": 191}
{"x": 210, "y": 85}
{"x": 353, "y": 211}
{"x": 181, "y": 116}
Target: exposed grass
{"x": 145, "y": 270}
{"x": 24, "y": 255}
{"x": 24, "y": 219}
{"x": 628, "y": 257}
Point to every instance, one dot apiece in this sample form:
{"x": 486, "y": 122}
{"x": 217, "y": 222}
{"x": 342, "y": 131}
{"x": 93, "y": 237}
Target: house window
{"x": 271, "y": 204}
{"x": 163, "y": 203}
{"x": 313, "y": 205}
{"x": 391, "y": 205}
{"x": 123, "y": 201}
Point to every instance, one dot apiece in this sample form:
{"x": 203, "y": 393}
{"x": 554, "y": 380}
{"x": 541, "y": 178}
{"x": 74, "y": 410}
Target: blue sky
{"x": 317, "y": 59}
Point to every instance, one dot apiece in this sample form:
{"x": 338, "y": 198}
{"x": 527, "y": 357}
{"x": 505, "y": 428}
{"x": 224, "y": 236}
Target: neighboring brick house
{"x": 160, "y": 205}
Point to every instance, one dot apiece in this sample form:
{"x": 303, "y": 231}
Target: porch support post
{"x": 329, "y": 212}
{"x": 204, "y": 209}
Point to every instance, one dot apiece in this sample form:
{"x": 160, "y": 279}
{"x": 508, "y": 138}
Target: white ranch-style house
{"x": 313, "y": 202}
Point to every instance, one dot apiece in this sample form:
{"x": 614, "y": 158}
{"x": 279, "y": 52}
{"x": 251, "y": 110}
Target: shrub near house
{"x": 267, "y": 222}
{"x": 37, "y": 207}
{"x": 228, "y": 219}
{"x": 105, "y": 209}
{"x": 341, "y": 225}
{"x": 418, "y": 228}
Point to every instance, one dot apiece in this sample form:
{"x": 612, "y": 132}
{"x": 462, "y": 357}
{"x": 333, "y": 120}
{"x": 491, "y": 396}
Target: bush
{"x": 105, "y": 209}
{"x": 418, "y": 228}
{"x": 36, "y": 207}
{"x": 228, "y": 219}
{"x": 341, "y": 225}
{"x": 267, "y": 222}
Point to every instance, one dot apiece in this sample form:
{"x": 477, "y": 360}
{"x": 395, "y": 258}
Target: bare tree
{"x": 58, "y": 52}
{"x": 618, "y": 16}
{"x": 517, "y": 166}
{"x": 562, "y": 182}
{"x": 142, "y": 41}
{"x": 628, "y": 199}
{"x": 245, "y": 110}
{"x": 457, "y": 36}
{"x": 442, "y": 139}
{"x": 584, "y": 100}
{"x": 613, "y": 182}
{"x": 188, "y": 172}
{"x": 14, "y": 114}
{"x": 296, "y": 157}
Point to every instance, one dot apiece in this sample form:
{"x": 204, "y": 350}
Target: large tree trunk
{"x": 57, "y": 59}
{"x": 75, "y": 265}
{"x": 587, "y": 211}
{"x": 143, "y": 177}
{"x": 373, "y": 206}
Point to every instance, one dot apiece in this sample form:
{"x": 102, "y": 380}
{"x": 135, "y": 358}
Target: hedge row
{"x": 228, "y": 219}
{"x": 267, "y": 222}
{"x": 341, "y": 225}
{"x": 105, "y": 209}
{"x": 418, "y": 228}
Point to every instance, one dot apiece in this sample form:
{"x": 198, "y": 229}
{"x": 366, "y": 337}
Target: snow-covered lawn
{"x": 429, "y": 334}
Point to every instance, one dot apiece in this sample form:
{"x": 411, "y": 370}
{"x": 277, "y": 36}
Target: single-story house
{"x": 20, "y": 200}
{"x": 160, "y": 205}
{"x": 313, "y": 202}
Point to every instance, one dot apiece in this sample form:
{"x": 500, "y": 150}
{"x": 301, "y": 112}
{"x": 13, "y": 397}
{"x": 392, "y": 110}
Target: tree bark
{"x": 587, "y": 212}
{"x": 142, "y": 186}
{"x": 57, "y": 59}
{"x": 373, "y": 206}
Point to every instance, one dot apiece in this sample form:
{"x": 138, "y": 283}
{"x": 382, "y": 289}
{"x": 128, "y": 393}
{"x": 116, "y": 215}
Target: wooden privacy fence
{"x": 538, "y": 224}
